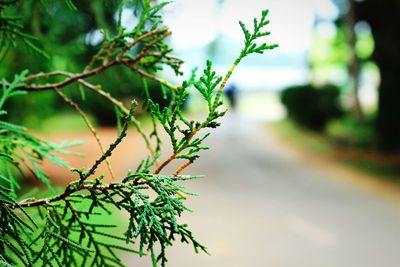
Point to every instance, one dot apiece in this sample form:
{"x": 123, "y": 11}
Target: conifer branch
{"x": 61, "y": 232}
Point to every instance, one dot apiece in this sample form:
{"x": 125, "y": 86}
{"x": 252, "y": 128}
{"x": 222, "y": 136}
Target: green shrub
{"x": 312, "y": 107}
{"x": 351, "y": 132}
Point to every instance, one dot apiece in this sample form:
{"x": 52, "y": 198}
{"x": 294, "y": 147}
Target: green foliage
{"x": 11, "y": 30}
{"x": 351, "y": 132}
{"x": 59, "y": 230}
{"x": 250, "y": 46}
{"x": 173, "y": 120}
{"x": 19, "y": 148}
{"x": 312, "y": 107}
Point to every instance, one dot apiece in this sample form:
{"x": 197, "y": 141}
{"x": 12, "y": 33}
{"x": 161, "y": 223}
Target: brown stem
{"x": 165, "y": 35}
{"x": 73, "y": 78}
{"x": 173, "y": 156}
{"x": 227, "y": 76}
{"x": 73, "y": 188}
{"x": 46, "y": 75}
{"x": 182, "y": 167}
{"x": 165, "y": 163}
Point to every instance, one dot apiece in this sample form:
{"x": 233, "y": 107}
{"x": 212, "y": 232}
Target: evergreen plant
{"x": 59, "y": 230}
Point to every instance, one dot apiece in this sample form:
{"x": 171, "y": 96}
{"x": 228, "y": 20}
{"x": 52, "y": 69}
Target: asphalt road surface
{"x": 262, "y": 206}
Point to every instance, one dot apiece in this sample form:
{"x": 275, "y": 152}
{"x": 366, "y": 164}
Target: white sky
{"x": 291, "y": 20}
{"x": 196, "y": 23}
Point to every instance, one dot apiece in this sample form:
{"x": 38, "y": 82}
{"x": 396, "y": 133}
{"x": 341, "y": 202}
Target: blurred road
{"x": 261, "y": 206}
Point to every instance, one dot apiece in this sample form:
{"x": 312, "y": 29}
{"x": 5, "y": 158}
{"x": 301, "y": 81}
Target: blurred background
{"x": 305, "y": 169}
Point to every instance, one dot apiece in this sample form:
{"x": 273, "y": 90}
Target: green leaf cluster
{"x": 250, "y": 45}
{"x": 21, "y": 150}
{"x": 181, "y": 129}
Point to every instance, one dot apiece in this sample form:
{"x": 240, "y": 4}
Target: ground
{"x": 264, "y": 203}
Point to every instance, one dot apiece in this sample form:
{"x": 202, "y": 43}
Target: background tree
{"x": 382, "y": 17}
{"x": 354, "y": 64}
{"x": 73, "y": 36}
{"x": 384, "y": 127}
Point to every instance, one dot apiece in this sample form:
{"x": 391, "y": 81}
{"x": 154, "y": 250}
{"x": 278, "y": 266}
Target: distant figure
{"x": 231, "y": 94}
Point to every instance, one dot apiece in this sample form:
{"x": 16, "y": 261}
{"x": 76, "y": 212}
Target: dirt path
{"x": 126, "y": 156}
{"x": 264, "y": 204}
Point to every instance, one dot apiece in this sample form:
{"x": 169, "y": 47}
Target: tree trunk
{"x": 383, "y": 16}
{"x": 354, "y": 63}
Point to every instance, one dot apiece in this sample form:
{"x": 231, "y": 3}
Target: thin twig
{"x": 175, "y": 154}
{"x": 153, "y": 120}
{"x": 150, "y": 76}
{"x": 90, "y": 127}
{"x": 155, "y": 41}
{"x": 140, "y": 38}
{"x": 112, "y": 146}
{"x": 72, "y": 78}
{"x": 46, "y": 75}
{"x": 123, "y": 109}
{"x": 165, "y": 163}
{"x": 182, "y": 167}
